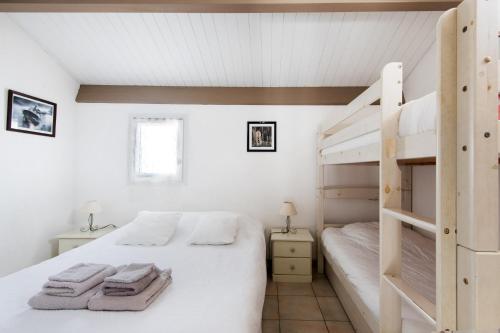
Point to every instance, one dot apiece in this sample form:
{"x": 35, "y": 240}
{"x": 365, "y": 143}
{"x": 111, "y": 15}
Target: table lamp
{"x": 288, "y": 209}
{"x": 92, "y": 207}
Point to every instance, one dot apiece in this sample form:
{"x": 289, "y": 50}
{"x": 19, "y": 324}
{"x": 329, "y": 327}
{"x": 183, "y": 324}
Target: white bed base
{"x": 361, "y": 318}
{"x": 464, "y": 148}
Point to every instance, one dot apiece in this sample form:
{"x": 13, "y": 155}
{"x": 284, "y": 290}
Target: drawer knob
{"x": 292, "y": 249}
{"x": 292, "y": 267}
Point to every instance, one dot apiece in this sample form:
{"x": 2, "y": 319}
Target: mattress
{"x": 416, "y": 117}
{"x": 355, "y": 249}
{"x": 214, "y": 288}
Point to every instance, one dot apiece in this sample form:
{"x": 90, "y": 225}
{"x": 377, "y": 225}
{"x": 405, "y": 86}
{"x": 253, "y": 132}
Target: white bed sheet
{"x": 214, "y": 288}
{"x": 416, "y": 117}
{"x": 355, "y": 249}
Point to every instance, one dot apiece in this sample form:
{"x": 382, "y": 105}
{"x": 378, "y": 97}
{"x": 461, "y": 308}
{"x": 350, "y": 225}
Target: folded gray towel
{"x": 78, "y": 273}
{"x": 73, "y": 289}
{"x": 129, "y": 289}
{"x": 42, "y": 301}
{"x": 101, "y": 302}
{"x": 132, "y": 273}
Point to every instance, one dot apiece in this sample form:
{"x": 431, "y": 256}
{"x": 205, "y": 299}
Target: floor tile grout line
{"x": 314, "y": 294}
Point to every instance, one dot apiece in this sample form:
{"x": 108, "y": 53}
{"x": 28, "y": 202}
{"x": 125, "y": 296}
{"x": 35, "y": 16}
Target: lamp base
{"x": 93, "y": 227}
{"x": 288, "y": 228}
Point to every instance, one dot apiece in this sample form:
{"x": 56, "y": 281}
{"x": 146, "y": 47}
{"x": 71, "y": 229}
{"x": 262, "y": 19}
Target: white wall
{"x": 36, "y": 173}
{"x": 422, "y": 80}
{"x": 219, "y": 172}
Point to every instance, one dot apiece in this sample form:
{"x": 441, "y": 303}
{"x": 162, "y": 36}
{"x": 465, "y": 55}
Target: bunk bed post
{"x": 406, "y": 187}
{"x": 320, "y": 203}
{"x": 446, "y": 172}
{"x": 478, "y": 256}
{"x": 390, "y": 197}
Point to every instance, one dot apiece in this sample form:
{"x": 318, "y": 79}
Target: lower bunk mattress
{"x": 354, "y": 249}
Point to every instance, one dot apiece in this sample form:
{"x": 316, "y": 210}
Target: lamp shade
{"x": 92, "y": 207}
{"x": 288, "y": 209}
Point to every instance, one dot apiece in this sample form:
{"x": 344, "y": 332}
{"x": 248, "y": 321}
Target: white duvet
{"x": 214, "y": 288}
{"x": 355, "y": 249}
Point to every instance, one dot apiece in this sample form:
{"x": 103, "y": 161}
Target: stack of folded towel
{"x": 133, "y": 288}
{"x": 102, "y": 287}
{"x": 72, "y": 289}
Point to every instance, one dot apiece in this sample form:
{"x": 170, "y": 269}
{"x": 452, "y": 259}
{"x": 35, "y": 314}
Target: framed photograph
{"x": 28, "y": 114}
{"x": 261, "y": 136}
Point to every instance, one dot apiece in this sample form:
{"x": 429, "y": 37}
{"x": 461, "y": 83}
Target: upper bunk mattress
{"x": 416, "y": 117}
{"x": 354, "y": 248}
{"x": 213, "y": 289}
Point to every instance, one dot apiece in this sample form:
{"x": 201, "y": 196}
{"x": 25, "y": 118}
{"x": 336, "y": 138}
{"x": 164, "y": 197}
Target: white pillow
{"x": 215, "y": 229}
{"x": 150, "y": 229}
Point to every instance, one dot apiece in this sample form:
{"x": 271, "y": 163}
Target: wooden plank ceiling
{"x": 223, "y": 6}
{"x": 231, "y": 50}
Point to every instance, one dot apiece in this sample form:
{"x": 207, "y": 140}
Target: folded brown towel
{"x": 129, "y": 289}
{"x": 132, "y": 273}
{"x": 42, "y": 301}
{"x": 78, "y": 273}
{"x": 139, "y": 302}
{"x": 73, "y": 289}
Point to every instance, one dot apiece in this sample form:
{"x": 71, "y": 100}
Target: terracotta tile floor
{"x": 303, "y": 308}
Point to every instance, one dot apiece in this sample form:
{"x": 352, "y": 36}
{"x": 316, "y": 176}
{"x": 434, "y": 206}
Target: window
{"x": 156, "y": 149}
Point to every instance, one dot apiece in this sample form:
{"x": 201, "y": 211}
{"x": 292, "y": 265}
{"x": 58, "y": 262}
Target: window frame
{"x": 134, "y": 177}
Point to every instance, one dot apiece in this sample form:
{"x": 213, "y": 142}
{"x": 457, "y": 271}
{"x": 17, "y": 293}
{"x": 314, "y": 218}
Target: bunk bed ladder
{"x": 393, "y": 288}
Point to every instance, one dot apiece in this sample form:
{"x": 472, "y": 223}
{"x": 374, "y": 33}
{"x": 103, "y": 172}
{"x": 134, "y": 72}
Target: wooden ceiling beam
{"x": 223, "y": 6}
{"x": 217, "y": 95}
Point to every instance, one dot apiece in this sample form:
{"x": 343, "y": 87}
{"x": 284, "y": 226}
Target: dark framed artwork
{"x": 28, "y": 114}
{"x": 261, "y": 136}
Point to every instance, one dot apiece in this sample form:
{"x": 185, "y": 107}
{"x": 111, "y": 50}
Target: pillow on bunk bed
{"x": 151, "y": 229}
{"x": 215, "y": 229}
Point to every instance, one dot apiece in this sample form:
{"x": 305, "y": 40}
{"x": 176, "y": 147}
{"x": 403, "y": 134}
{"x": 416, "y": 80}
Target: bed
{"x": 352, "y": 254}
{"x": 214, "y": 288}
{"x": 361, "y": 142}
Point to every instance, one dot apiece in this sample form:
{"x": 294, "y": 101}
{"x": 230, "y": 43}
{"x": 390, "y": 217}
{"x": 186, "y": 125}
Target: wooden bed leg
{"x": 320, "y": 205}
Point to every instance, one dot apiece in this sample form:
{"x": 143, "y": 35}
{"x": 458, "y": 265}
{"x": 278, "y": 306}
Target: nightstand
{"x": 292, "y": 256}
{"x": 74, "y": 239}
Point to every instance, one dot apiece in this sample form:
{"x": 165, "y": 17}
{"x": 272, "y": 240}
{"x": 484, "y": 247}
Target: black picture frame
{"x": 38, "y": 113}
{"x": 268, "y": 130}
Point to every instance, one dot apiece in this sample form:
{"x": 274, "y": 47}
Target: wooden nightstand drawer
{"x": 292, "y": 249}
{"x": 296, "y": 266}
{"x": 74, "y": 239}
{"x": 69, "y": 244}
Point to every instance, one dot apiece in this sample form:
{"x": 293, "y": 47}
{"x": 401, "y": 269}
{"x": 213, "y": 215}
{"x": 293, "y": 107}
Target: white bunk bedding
{"x": 213, "y": 288}
{"x": 417, "y": 117}
{"x": 355, "y": 249}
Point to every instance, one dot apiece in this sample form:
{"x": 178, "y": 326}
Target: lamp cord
{"x": 93, "y": 227}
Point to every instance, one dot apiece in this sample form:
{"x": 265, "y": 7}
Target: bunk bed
{"x": 456, "y": 129}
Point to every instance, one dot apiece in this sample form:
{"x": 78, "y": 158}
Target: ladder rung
{"x": 412, "y": 218}
{"x": 412, "y": 297}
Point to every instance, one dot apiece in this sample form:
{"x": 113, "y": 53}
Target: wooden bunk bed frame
{"x": 464, "y": 149}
